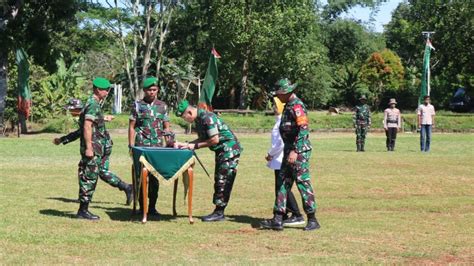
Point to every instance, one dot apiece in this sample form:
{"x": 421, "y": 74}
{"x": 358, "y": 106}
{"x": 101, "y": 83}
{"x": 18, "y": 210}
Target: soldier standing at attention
{"x": 148, "y": 124}
{"x": 215, "y": 134}
{"x": 362, "y": 122}
{"x": 294, "y": 131}
{"x": 392, "y": 121}
{"x": 95, "y": 144}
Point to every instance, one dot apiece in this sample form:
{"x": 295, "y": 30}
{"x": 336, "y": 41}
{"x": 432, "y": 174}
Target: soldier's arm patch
{"x": 301, "y": 118}
{"x": 212, "y": 131}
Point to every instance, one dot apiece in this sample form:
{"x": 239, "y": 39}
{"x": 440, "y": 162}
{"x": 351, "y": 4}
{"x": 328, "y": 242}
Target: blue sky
{"x": 383, "y": 16}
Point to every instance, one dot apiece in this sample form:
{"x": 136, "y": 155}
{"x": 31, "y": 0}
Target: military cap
{"x": 392, "y": 101}
{"x": 150, "y": 82}
{"x": 284, "y": 86}
{"x": 182, "y": 106}
{"x": 363, "y": 98}
{"x": 101, "y": 83}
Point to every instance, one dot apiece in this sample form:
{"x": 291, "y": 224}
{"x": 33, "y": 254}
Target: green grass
{"x": 376, "y": 207}
{"x": 446, "y": 121}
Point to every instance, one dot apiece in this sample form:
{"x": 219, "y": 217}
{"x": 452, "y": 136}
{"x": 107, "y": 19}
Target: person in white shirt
{"x": 274, "y": 158}
{"x": 392, "y": 121}
{"x": 426, "y": 122}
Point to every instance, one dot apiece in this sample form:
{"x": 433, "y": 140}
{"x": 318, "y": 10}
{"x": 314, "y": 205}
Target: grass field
{"x": 374, "y": 207}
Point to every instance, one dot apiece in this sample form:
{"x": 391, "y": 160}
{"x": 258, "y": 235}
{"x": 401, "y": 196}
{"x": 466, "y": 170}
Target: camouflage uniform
{"x": 294, "y": 131}
{"x": 362, "y": 122}
{"x": 149, "y": 131}
{"x": 227, "y": 154}
{"x": 91, "y": 168}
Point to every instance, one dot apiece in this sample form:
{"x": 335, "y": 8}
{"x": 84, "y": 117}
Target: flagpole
{"x": 428, "y": 34}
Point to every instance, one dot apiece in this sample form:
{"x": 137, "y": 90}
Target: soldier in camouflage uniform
{"x": 215, "y": 134}
{"x": 105, "y": 175}
{"x": 149, "y": 123}
{"x": 96, "y": 145}
{"x": 362, "y": 122}
{"x": 294, "y": 131}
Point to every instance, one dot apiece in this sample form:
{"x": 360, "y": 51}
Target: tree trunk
{"x": 3, "y": 81}
{"x": 244, "y": 90}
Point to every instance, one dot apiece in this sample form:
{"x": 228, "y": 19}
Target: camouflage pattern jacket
{"x": 362, "y": 115}
{"x": 149, "y": 122}
{"x": 208, "y": 125}
{"x": 100, "y": 136}
{"x": 294, "y": 128}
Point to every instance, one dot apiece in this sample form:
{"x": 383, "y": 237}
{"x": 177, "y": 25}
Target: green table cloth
{"x": 166, "y": 164}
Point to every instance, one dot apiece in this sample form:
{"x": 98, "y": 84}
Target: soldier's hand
{"x": 89, "y": 153}
{"x": 56, "y": 141}
{"x": 191, "y": 146}
{"x": 268, "y": 157}
{"x": 292, "y": 157}
{"x": 108, "y": 118}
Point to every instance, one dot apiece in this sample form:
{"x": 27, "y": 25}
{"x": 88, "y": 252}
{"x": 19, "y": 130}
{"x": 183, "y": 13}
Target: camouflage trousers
{"x": 299, "y": 173}
{"x": 90, "y": 169}
{"x": 224, "y": 176}
{"x": 361, "y": 132}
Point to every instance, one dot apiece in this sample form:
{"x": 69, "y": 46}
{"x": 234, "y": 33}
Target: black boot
{"x": 83, "y": 212}
{"x": 358, "y": 147}
{"x": 312, "y": 223}
{"x": 152, "y": 208}
{"x": 216, "y": 216}
{"x": 362, "y": 148}
{"x": 275, "y": 223}
{"x": 128, "y": 189}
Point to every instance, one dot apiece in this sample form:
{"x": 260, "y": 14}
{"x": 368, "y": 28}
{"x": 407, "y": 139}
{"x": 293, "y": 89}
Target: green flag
{"x": 24, "y": 94}
{"x": 209, "y": 84}
{"x": 425, "y": 80}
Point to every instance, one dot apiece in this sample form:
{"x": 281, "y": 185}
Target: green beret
{"x": 101, "y": 83}
{"x": 150, "y": 82}
{"x": 183, "y": 104}
{"x": 284, "y": 86}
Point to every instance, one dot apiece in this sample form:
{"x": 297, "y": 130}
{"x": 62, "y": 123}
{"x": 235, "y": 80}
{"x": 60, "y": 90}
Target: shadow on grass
{"x": 245, "y": 219}
{"x": 127, "y": 215}
{"x": 76, "y": 200}
{"x": 64, "y": 214}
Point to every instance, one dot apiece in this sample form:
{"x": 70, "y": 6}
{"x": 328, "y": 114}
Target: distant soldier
{"x": 104, "y": 174}
{"x": 392, "y": 121}
{"x": 219, "y": 138}
{"x": 426, "y": 122}
{"x": 148, "y": 125}
{"x": 95, "y": 144}
{"x": 294, "y": 131}
{"x": 362, "y": 122}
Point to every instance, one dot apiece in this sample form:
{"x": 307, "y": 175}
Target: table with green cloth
{"x": 167, "y": 165}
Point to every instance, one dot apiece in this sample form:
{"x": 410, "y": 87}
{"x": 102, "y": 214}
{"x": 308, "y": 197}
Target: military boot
{"x": 84, "y": 213}
{"x": 312, "y": 223}
{"x": 128, "y": 189}
{"x": 358, "y": 147}
{"x": 216, "y": 216}
{"x": 362, "y": 147}
{"x": 276, "y": 223}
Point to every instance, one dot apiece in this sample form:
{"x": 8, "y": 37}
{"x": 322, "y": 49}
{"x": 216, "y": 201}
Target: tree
{"x": 382, "y": 72}
{"x": 141, "y": 28}
{"x": 453, "y": 22}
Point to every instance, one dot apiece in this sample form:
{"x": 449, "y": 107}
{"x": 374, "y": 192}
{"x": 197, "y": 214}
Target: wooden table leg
{"x": 190, "y": 194}
{"x": 134, "y": 187}
{"x": 175, "y": 190}
{"x": 144, "y": 182}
